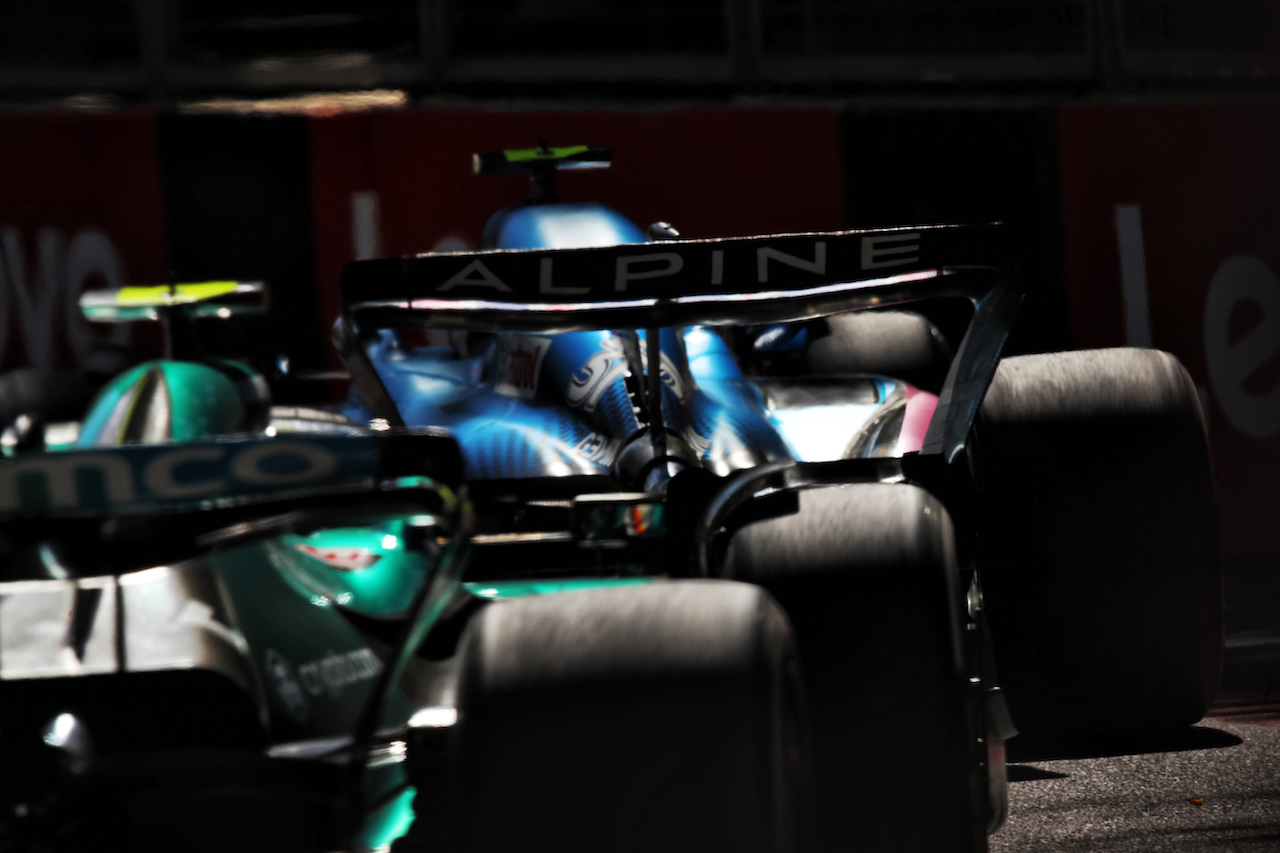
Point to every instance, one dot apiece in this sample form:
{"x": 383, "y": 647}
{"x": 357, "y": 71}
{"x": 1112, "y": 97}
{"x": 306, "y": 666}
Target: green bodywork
{"x": 285, "y": 597}
{"x": 315, "y": 670}
{"x": 384, "y": 588}
{"x": 519, "y": 589}
{"x": 164, "y": 401}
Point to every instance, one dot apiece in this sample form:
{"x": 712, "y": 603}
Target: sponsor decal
{"x": 475, "y": 274}
{"x": 94, "y": 480}
{"x": 598, "y": 448}
{"x": 669, "y": 374}
{"x": 329, "y": 676}
{"x": 285, "y": 684}
{"x": 782, "y": 263}
{"x": 521, "y": 364}
{"x": 344, "y": 559}
{"x": 332, "y": 674}
{"x": 606, "y": 365}
{"x": 701, "y": 264}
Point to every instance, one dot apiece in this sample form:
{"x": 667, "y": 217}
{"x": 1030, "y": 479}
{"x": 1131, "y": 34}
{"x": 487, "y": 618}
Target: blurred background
{"x": 1131, "y": 145}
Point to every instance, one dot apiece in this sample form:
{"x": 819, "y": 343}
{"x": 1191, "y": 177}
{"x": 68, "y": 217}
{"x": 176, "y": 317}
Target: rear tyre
{"x": 867, "y": 574}
{"x": 665, "y": 717}
{"x": 900, "y": 344}
{"x": 1099, "y": 548}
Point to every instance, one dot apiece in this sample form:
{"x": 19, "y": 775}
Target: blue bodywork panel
{"x": 559, "y": 226}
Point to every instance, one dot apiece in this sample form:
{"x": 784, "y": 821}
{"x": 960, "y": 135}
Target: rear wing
{"x": 113, "y": 508}
{"x": 219, "y": 474}
{"x": 512, "y": 161}
{"x": 221, "y": 299}
{"x": 176, "y": 306}
{"x": 744, "y": 280}
{"x": 749, "y": 280}
{"x": 541, "y": 164}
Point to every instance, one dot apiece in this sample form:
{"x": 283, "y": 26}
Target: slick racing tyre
{"x": 867, "y": 575}
{"x": 899, "y": 344}
{"x": 662, "y": 717}
{"x": 1099, "y": 546}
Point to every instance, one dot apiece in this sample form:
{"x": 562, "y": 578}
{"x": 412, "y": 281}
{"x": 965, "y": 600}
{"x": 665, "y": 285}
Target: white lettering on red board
{"x": 40, "y": 286}
{"x": 366, "y": 228}
{"x": 1133, "y": 275}
{"x": 1242, "y": 279}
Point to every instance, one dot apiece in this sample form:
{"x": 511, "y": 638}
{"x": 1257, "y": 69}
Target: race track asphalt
{"x": 1142, "y": 800}
{"x": 1143, "y": 803}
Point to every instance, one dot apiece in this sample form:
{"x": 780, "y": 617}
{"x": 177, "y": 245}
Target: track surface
{"x": 1137, "y": 797}
{"x": 1142, "y": 802}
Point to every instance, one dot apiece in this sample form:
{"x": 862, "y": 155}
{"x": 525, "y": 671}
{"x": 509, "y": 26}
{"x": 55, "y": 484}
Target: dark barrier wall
{"x": 1171, "y": 216}
{"x": 237, "y": 196}
{"x": 80, "y": 207}
{"x": 912, "y": 166}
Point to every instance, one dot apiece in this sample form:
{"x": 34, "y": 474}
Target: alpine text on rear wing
{"x": 769, "y": 278}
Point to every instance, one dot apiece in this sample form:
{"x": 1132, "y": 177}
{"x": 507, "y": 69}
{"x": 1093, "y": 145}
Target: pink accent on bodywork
{"x": 343, "y": 559}
{"x": 915, "y": 422}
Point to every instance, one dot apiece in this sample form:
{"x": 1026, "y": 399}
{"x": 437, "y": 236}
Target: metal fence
{"x": 177, "y": 48}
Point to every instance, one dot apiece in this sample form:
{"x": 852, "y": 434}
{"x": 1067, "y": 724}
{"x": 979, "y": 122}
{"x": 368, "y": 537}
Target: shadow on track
{"x": 1190, "y": 738}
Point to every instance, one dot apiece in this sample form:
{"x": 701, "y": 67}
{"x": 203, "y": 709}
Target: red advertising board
{"x": 80, "y": 207}
{"x": 1171, "y": 216}
{"x": 400, "y": 182}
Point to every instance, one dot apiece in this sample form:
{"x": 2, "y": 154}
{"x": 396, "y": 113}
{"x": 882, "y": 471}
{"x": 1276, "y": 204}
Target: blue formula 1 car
{"x": 1050, "y": 518}
{"x": 704, "y": 569}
